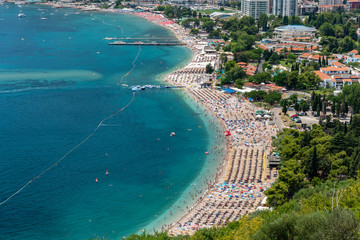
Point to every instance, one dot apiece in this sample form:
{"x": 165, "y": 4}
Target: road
{"x": 277, "y": 119}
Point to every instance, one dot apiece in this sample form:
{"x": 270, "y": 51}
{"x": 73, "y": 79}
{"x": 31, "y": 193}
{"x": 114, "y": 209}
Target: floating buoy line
{"x": 82, "y": 142}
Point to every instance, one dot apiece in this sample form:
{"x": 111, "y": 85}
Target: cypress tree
{"x": 313, "y": 164}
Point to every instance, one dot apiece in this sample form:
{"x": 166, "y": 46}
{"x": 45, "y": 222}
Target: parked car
{"x": 298, "y": 120}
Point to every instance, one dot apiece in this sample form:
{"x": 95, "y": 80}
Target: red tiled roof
{"x": 323, "y": 76}
{"x": 337, "y": 64}
{"x": 335, "y": 69}
{"x": 305, "y": 55}
{"x": 262, "y": 47}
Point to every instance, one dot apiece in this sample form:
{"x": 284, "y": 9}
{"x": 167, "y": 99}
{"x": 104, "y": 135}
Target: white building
{"x": 294, "y": 31}
{"x": 285, "y": 7}
{"x": 254, "y": 7}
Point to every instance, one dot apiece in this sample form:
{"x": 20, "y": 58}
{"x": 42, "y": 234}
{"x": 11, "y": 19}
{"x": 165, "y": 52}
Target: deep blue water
{"x": 58, "y": 79}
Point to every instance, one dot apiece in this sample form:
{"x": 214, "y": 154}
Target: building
{"x": 254, "y": 7}
{"x": 330, "y": 2}
{"x": 331, "y": 8}
{"x": 294, "y": 31}
{"x": 285, "y": 7}
{"x": 352, "y": 4}
{"x": 307, "y": 7}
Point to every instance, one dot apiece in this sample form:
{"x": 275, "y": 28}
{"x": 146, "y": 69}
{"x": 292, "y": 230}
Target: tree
{"x": 292, "y": 80}
{"x": 272, "y": 97}
{"x": 223, "y": 58}
{"x": 239, "y": 83}
{"x": 209, "y": 69}
{"x": 208, "y": 25}
{"x": 284, "y": 104}
{"x": 281, "y": 78}
{"x": 262, "y": 21}
{"x": 194, "y": 31}
{"x": 262, "y": 77}
{"x": 347, "y": 44}
{"x": 313, "y": 164}
{"x": 304, "y": 106}
{"x": 286, "y": 20}
{"x": 327, "y": 29}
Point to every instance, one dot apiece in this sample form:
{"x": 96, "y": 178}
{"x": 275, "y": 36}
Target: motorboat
{"x": 21, "y": 15}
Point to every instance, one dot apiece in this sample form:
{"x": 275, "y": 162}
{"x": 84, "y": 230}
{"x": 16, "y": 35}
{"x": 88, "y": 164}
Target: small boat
{"x": 136, "y": 88}
{"x": 142, "y": 88}
{"x": 21, "y": 15}
{"x": 172, "y": 134}
{"x": 206, "y": 153}
{"x": 96, "y": 180}
{"x": 124, "y": 85}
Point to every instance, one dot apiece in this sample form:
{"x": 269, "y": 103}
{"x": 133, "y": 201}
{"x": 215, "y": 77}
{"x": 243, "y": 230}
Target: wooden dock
{"x": 148, "y": 43}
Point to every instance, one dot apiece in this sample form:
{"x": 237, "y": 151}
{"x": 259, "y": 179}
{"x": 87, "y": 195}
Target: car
{"x": 298, "y": 121}
{"x": 301, "y": 114}
{"x": 305, "y": 114}
{"x": 342, "y": 118}
{"x": 315, "y": 115}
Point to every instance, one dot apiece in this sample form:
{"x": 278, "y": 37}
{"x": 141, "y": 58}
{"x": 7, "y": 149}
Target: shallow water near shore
{"x": 58, "y": 79}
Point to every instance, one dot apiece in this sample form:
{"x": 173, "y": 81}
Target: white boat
{"x": 21, "y": 15}
{"x": 136, "y": 88}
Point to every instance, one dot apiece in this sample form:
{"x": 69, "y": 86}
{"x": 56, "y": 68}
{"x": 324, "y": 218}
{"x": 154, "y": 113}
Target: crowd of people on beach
{"x": 240, "y": 187}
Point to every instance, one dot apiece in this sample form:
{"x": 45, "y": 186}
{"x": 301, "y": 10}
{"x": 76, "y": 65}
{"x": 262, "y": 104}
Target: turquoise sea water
{"x": 58, "y": 79}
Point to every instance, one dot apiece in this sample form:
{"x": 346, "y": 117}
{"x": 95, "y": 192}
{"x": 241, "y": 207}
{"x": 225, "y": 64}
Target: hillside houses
{"x": 250, "y": 70}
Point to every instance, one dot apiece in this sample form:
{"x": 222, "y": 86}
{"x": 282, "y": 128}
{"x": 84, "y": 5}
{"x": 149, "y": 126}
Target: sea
{"x": 73, "y": 164}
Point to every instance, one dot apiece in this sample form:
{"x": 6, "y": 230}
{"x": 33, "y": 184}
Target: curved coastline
{"x": 209, "y": 117}
{"x": 168, "y": 219}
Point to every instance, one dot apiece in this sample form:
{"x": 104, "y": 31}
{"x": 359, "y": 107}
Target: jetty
{"x": 147, "y": 43}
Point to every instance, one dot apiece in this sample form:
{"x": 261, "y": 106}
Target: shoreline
{"x": 185, "y": 76}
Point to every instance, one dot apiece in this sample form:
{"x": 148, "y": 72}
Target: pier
{"x": 147, "y": 43}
